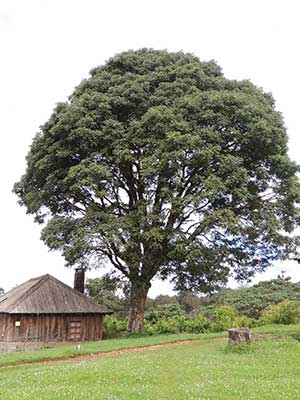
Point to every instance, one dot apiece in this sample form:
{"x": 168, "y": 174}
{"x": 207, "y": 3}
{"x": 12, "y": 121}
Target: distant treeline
{"x": 247, "y": 301}
{"x": 251, "y": 301}
{"x": 274, "y": 301}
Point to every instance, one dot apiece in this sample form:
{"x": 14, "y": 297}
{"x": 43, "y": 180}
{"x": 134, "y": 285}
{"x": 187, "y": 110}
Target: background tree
{"x": 189, "y": 301}
{"x": 253, "y": 300}
{"x": 163, "y": 299}
{"x": 110, "y": 290}
{"x": 162, "y": 166}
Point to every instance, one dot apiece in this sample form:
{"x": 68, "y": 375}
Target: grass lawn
{"x": 205, "y": 370}
{"x": 65, "y": 351}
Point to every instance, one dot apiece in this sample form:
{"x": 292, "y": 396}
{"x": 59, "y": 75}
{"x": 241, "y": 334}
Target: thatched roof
{"x": 47, "y": 295}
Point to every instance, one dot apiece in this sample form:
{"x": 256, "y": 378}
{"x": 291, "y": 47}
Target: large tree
{"x": 163, "y": 167}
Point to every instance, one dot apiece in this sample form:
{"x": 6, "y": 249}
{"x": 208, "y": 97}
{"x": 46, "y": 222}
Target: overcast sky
{"x": 48, "y": 47}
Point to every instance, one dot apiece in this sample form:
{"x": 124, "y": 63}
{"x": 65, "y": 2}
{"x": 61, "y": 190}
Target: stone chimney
{"x": 79, "y": 280}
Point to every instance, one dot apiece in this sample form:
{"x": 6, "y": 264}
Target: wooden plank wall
{"x": 48, "y": 327}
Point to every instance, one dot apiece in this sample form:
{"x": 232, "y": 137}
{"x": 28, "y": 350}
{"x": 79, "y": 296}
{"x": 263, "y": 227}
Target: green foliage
{"x": 189, "y": 301}
{"x": 160, "y": 165}
{"x": 114, "y": 327}
{"x": 179, "y": 324}
{"x": 160, "y": 300}
{"x": 105, "y": 290}
{"x": 245, "y": 322}
{"x": 163, "y": 311}
{"x": 198, "y": 324}
{"x": 168, "y": 325}
{"x": 165, "y": 317}
{"x": 224, "y": 317}
{"x": 287, "y": 313}
{"x": 253, "y": 300}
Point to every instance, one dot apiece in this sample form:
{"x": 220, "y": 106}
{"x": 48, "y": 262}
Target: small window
{"x": 75, "y": 330}
{"x": 18, "y": 324}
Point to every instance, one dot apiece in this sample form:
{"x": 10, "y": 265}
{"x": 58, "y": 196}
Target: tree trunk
{"x": 138, "y": 297}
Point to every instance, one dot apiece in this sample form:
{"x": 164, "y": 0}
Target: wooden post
{"x": 239, "y": 336}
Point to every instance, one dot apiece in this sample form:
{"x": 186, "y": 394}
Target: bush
{"x": 199, "y": 324}
{"x": 114, "y": 327}
{"x": 166, "y": 326}
{"x": 164, "y": 311}
{"x": 245, "y": 322}
{"x": 224, "y": 317}
{"x": 149, "y": 329}
{"x": 286, "y": 312}
{"x": 169, "y": 318}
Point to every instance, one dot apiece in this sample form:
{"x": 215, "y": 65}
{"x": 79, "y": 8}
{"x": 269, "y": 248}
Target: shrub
{"x": 164, "y": 311}
{"x": 224, "y": 317}
{"x": 181, "y": 323}
{"x": 149, "y": 329}
{"x": 114, "y": 327}
{"x": 286, "y": 312}
{"x": 166, "y": 326}
{"x": 199, "y": 324}
{"x": 245, "y": 322}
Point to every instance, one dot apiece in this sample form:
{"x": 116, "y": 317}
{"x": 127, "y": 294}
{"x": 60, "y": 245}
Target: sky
{"x": 47, "y": 47}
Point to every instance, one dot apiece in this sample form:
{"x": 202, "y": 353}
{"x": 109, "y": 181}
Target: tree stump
{"x": 239, "y": 336}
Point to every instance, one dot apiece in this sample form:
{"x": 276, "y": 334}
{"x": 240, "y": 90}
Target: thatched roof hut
{"x": 45, "y": 309}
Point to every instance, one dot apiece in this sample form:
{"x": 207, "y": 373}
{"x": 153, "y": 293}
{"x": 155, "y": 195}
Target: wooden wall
{"x": 78, "y": 327}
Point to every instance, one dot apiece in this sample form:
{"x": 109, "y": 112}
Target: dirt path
{"x": 95, "y": 356}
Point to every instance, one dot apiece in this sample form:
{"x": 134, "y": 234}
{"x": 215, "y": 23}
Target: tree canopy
{"x": 160, "y": 165}
{"x": 251, "y": 301}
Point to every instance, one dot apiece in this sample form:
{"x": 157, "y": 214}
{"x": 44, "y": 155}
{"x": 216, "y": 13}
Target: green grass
{"x": 63, "y": 351}
{"x": 276, "y": 329}
{"x": 208, "y": 370}
{"x": 60, "y": 351}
